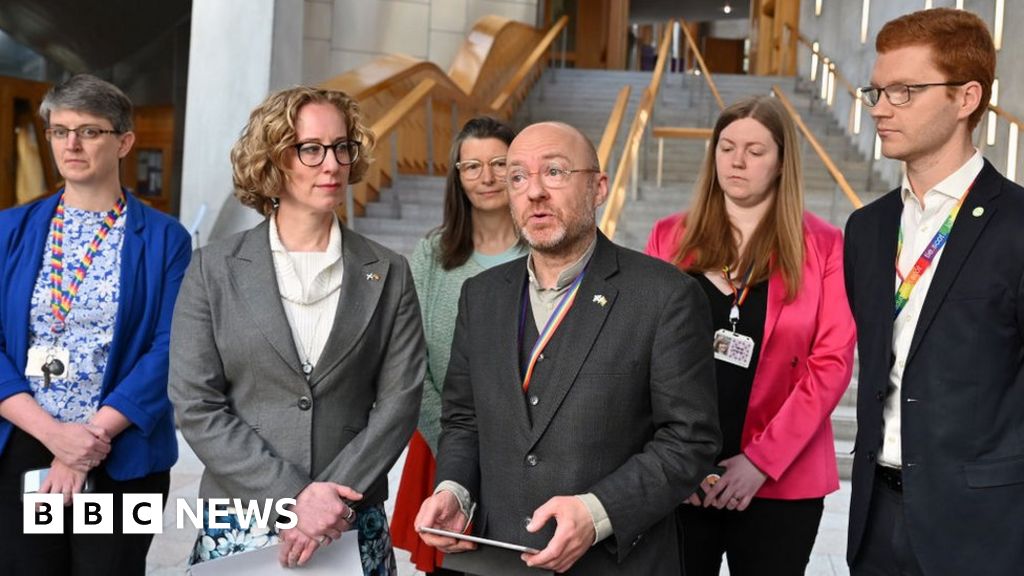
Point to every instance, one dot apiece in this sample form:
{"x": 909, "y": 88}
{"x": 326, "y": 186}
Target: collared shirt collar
{"x": 566, "y": 276}
{"x": 953, "y": 186}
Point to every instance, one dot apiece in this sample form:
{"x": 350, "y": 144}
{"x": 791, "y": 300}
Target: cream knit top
{"x": 310, "y": 284}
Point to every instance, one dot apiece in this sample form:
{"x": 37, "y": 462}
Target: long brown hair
{"x": 709, "y": 240}
{"x": 456, "y": 229}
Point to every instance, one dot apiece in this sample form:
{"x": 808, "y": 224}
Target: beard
{"x": 570, "y": 230}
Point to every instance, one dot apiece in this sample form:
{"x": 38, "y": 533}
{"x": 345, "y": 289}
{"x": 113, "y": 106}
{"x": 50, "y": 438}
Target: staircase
{"x": 404, "y": 213}
{"x": 584, "y": 99}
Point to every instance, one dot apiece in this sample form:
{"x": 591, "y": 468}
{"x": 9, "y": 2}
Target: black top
{"x": 734, "y": 382}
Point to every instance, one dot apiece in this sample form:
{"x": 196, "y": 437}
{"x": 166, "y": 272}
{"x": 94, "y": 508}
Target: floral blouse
{"x": 75, "y": 396}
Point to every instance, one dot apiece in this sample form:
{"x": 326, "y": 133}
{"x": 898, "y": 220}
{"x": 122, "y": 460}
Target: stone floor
{"x": 167, "y": 555}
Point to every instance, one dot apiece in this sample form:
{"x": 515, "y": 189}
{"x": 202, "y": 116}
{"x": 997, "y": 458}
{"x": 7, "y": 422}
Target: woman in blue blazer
{"x": 90, "y": 279}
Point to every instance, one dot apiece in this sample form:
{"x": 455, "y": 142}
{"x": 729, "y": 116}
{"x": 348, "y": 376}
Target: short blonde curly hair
{"x": 257, "y": 158}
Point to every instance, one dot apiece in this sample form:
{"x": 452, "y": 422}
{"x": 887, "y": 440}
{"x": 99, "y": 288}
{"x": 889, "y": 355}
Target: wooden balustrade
{"x": 490, "y": 75}
{"x": 703, "y": 66}
{"x": 611, "y": 130}
{"x": 628, "y": 162}
{"x": 833, "y": 170}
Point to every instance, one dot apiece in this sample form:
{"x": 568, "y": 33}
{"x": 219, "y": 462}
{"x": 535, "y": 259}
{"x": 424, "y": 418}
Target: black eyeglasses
{"x": 898, "y": 94}
{"x": 313, "y": 154}
{"x": 83, "y": 132}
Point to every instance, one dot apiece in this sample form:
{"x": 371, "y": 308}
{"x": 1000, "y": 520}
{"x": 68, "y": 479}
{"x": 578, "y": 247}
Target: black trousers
{"x": 769, "y": 537}
{"x": 68, "y": 554}
{"x": 885, "y": 549}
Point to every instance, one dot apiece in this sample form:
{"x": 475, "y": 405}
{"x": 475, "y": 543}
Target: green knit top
{"x": 439, "y": 291}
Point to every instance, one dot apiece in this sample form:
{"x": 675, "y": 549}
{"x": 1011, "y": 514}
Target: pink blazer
{"x": 805, "y": 366}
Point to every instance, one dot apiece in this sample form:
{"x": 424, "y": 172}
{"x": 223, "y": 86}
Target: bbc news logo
{"x": 144, "y": 513}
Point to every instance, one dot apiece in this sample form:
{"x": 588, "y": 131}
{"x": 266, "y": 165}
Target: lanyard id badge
{"x": 729, "y": 345}
{"x": 733, "y": 347}
{"x": 49, "y": 363}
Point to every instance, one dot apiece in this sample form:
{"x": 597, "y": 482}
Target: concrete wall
{"x": 837, "y": 30}
{"x": 343, "y": 34}
{"x": 227, "y": 78}
{"x": 241, "y": 50}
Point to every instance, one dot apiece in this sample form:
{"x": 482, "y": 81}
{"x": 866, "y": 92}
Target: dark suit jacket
{"x": 962, "y": 395}
{"x": 628, "y": 410}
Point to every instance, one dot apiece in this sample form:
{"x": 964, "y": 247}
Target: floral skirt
{"x": 372, "y": 525}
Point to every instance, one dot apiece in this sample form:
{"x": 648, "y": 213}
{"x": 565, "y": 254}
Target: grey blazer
{"x": 242, "y": 401}
{"x": 627, "y": 411}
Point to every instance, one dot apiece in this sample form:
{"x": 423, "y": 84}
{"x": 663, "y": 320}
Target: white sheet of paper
{"x": 340, "y": 558}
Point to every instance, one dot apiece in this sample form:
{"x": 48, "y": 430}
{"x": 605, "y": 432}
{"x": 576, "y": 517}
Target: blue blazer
{"x": 154, "y": 256}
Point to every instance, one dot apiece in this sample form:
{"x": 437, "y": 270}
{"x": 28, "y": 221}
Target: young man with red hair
{"x": 938, "y": 480}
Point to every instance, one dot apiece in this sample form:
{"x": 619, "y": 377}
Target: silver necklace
{"x": 307, "y": 349}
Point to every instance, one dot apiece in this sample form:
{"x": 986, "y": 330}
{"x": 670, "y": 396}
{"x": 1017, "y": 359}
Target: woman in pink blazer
{"x": 783, "y": 345}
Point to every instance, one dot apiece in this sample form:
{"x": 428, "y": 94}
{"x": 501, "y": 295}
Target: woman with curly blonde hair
{"x": 297, "y": 349}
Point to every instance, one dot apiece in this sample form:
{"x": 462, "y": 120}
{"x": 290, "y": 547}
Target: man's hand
{"x": 322, "y": 511}
{"x": 442, "y": 511}
{"x": 738, "y": 485}
{"x": 79, "y": 446}
{"x": 63, "y": 479}
{"x": 574, "y": 533}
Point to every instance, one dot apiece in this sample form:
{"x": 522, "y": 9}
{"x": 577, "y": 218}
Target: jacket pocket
{"x": 1004, "y": 472}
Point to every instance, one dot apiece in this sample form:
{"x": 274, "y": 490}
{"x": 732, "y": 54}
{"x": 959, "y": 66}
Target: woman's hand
{"x": 296, "y": 548}
{"x": 737, "y": 487}
{"x": 79, "y": 446}
{"x": 322, "y": 516}
{"x": 62, "y": 479}
{"x": 322, "y": 510}
{"x": 705, "y": 487}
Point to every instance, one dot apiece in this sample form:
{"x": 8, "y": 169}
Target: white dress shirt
{"x": 919, "y": 223}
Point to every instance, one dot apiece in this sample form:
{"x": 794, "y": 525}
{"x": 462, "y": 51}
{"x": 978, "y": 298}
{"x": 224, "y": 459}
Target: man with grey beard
{"x": 581, "y": 385}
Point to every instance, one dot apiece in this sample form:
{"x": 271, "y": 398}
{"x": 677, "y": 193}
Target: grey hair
{"x": 89, "y": 94}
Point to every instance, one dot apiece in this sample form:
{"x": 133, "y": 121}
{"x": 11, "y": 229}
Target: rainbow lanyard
{"x": 61, "y": 299}
{"x": 739, "y": 295}
{"x": 554, "y": 321}
{"x": 925, "y": 259}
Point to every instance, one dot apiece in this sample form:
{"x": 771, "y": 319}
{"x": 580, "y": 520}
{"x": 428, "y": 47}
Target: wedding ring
{"x": 350, "y": 516}
{"x": 324, "y": 540}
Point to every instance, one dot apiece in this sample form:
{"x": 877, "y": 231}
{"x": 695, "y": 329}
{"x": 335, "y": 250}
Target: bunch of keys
{"x": 54, "y": 367}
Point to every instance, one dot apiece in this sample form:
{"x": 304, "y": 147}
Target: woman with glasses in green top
{"x": 477, "y": 233}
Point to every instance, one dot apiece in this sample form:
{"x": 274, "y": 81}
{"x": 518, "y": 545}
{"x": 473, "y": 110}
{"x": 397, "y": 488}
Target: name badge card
{"x": 734, "y": 348}
{"x": 40, "y": 356}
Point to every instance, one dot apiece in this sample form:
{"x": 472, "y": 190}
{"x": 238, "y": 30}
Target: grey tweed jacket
{"x": 242, "y": 402}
